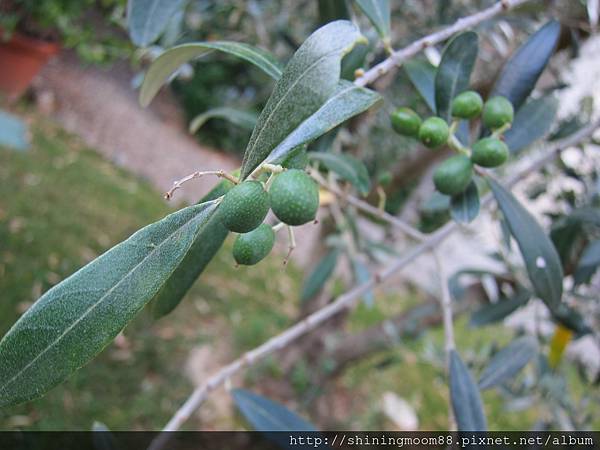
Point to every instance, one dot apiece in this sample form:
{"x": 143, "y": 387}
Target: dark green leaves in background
{"x": 466, "y": 401}
{"x": 464, "y": 207}
{"x": 421, "y": 74}
{"x": 378, "y": 12}
{"x": 495, "y": 312}
{"x": 76, "y": 319}
{"x": 319, "y": 275}
{"x": 240, "y": 118}
{"x": 508, "y": 362}
{"x": 541, "y": 259}
{"x": 148, "y": 19}
{"x": 532, "y": 122}
{"x": 166, "y": 64}
{"x": 521, "y": 72}
{"x": 308, "y": 80}
{"x": 454, "y": 72}
{"x": 347, "y": 167}
{"x": 266, "y": 415}
{"x": 589, "y": 262}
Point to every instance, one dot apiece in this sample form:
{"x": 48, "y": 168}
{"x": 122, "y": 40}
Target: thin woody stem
{"x": 179, "y": 183}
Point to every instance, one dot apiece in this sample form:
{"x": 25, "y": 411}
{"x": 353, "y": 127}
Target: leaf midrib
{"x": 94, "y": 306}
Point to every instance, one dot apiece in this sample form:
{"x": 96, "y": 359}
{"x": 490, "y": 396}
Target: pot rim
{"x": 29, "y": 43}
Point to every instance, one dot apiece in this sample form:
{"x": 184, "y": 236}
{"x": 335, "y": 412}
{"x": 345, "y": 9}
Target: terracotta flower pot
{"x": 21, "y": 58}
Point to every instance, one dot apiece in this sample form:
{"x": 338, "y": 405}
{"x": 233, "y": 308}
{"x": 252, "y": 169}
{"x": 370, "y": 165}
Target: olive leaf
{"x": 308, "y": 80}
{"x": 541, "y": 259}
{"x": 378, "y": 12}
{"x": 464, "y": 394}
{"x": 421, "y": 74}
{"x": 454, "y": 72}
{"x": 361, "y": 276}
{"x": 240, "y": 118}
{"x": 347, "y": 101}
{"x": 166, "y": 64}
{"x": 72, "y": 322}
{"x": 532, "y": 122}
{"x": 495, "y": 312}
{"x": 522, "y": 70}
{"x": 346, "y": 167}
{"x": 320, "y": 274}
{"x": 464, "y": 207}
{"x": 205, "y": 246}
{"x": 266, "y": 415}
{"x": 508, "y": 362}
{"x": 148, "y": 19}
{"x": 589, "y": 262}
{"x": 330, "y": 10}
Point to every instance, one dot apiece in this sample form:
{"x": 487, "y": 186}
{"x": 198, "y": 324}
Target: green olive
{"x": 434, "y": 132}
{"x": 467, "y": 105}
{"x": 406, "y": 122}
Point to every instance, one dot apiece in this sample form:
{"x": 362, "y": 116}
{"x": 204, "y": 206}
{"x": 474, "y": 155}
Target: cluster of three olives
{"x": 293, "y": 197}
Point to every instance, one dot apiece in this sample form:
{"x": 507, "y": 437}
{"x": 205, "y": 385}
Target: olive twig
{"x": 278, "y": 226}
{"x": 292, "y": 244}
{"x": 179, "y": 183}
{"x": 500, "y": 131}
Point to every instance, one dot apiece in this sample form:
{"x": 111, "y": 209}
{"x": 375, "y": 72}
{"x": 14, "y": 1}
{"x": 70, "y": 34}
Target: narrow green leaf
{"x": 206, "y": 245}
{"x": 320, "y": 274}
{"x": 346, "y": 167}
{"x": 532, "y": 122}
{"x": 166, "y": 64}
{"x": 495, "y": 312}
{"x": 361, "y": 276}
{"x": 454, "y": 72}
{"x": 308, "y": 80}
{"x": 522, "y": 70}
{"x": 347, "y": 101}
{"x": 508, "y": 362}
{"x": 540, "y": 256}
{"x": 421, "y": 74}
{"x": 240, "y": 118}
{"x": 76, "y": 319}
{"x": 266, "y": 415}
{"x": 589, "y": 262}
{"x": 148, "y": 19}
{"x": 464, "y": 207}
{"x": 466, "y": 402}
{"x": 378, "y": 12}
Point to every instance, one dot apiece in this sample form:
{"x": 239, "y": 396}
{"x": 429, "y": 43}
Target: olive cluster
{"x": 292, "y": 195}
{"x": 454, "y": 175}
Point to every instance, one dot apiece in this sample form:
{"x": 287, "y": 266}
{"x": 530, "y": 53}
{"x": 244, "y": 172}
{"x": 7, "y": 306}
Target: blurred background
{"x": 83, "y": 166}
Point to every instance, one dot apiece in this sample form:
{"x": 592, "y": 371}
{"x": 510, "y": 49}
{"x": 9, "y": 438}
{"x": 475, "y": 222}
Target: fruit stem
{"x": 292, "y": 245}
{"x": 179, "y": 183}
{"x": 278, "y": 226}
{"x": 500, "y": 131}
{"x": 266, "y": 167}
{"x": 456, "y": 145}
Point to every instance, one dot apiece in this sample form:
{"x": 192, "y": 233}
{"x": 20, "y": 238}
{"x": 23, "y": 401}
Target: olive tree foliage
{"x": 313, "y": 98}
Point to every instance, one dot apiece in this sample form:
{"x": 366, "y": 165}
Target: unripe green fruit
{"x": 497, "y": 112}
{"x": 467, "y": 105}
{"x": 434, "y": 132}
{"x": 294, "y": 197}
{"x": 406, "y": 122}
{"x": 298, "y": 159}
{"x": 489, "y": 152}
{"x": 250, "y": 248}
{"x": 453, "y": 175}
{"x": 244, "y": 207}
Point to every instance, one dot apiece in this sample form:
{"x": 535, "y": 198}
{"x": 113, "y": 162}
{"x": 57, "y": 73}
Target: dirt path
{"x": 101, "y": 107}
